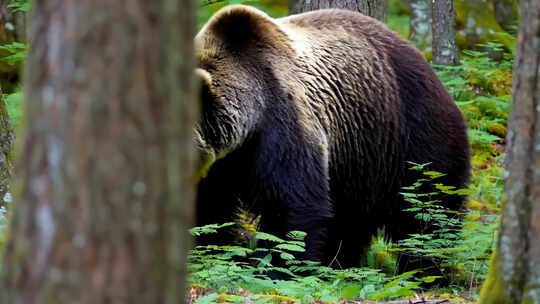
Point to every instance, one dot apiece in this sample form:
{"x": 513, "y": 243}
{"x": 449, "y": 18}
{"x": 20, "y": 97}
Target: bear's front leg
{"x": 316, "y": 239}
{"x": 295, "y": 192}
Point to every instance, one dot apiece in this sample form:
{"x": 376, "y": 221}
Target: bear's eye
{"x": 208, "y": 63}
{"x": 210, "y": 68}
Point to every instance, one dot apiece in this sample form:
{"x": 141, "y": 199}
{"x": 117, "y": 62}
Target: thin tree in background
{"x": 373, "y": 8}
{"x": 443, "y": 27}
{"x": 514, "y": 273}
{"x": 420, "y": 24}
{"x": 506, "y": 14}
{"x": 6, "y": 146}
{"x": 12, "y": 23}
{"x": 105, "y": 176}
{"x": 12, "y": 30}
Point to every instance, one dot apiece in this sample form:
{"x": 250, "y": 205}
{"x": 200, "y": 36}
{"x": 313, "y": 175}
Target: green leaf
{"x": 286, "y": 256}
{"x": 208, "y": 299}
{"x": 20, "y": 5}
{"x": 350, "y": 292}
{"x": 413, "y": 209}
{"x": 284, "y": 270}
{"x": 428, "y": 279}
{"x": 262, "y": 300}
{"x": 291, "y": 247}
{"x": 264, "y": 262}
{"x": 268, "y": 237}
{"x": 296, "y": 235}
{"x": 329, "y": 298}
{"x": 417, "y": 167}
{"x": 207, "y": 229}
{"x": 433, "y": 174}
{"x": 234, "y": 298}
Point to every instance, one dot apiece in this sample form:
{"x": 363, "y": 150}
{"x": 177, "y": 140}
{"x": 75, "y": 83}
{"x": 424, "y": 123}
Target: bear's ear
{"x": 240, "y": 26}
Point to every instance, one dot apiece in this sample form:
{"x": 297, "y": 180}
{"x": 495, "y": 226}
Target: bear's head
{"x": 237, "y": 52}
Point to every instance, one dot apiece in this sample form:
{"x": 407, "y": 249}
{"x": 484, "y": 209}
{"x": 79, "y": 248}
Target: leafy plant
{"x": 481, "y": 88}
{"x": 230, "y": 269}
{"x": 17, "y": 51}
{"x": 14, "y": 104}
{"x": 462, "y": 249}
{"x": 20, "y": 5}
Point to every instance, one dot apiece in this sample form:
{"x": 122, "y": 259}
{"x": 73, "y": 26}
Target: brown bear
{"x": 310, "y": 121}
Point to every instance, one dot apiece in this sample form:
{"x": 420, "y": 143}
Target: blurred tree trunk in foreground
{"x": 105, "y": 176}
{"x": 506, "y": 14}
{"x": 514, "y": 273}
{"x": 420, "y": 24}
{"x": 6, "y": 146}
{"x": 443, "y": 28}
{"x": 373, "y": 8}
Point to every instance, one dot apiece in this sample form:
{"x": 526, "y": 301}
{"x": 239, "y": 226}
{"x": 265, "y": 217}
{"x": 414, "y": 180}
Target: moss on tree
{"x": 6, "y": 144}
{"x": 493, "y": 289}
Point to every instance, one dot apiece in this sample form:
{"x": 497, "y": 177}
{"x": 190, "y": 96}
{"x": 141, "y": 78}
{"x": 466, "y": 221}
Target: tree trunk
{"x": 420, "y": 24}
{"x": 514, "y": 273}
{"x": 506, "y": 14}
{"x": 6, "y": 144}
{"x": 105, "y": 176}
{"x": 373, "y": 8}
{"x": 443, "y": 26}
{"x": 12, "y": 24}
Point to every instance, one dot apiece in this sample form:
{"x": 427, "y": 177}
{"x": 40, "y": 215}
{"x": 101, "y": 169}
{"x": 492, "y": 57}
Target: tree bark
{"x": 514, "y": 274}
{"x": 6, "y": 145}
{"x": 443, "y": 26}
{"x": 420, "y": 24}
{"x": 105, "y": 176}
{"x": 372, "y": 8}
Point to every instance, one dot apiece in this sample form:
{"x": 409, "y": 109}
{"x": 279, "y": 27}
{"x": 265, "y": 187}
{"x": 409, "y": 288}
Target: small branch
{"x": 335, "y": 257}
{"x": 210, "y": 2}
{"x": 420, "y": 301}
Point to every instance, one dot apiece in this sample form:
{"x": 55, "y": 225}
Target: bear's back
{"x": 347, "y": 76}
{"x": 345, "y": 64}
{"x": 374, "y": 94}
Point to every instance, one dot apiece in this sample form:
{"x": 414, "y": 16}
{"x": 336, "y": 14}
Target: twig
{"x": 402, "y": 302}
{"x": 210, "y": 2}
{"x": 335, "y": 257}
{"x": 422, "y": 301}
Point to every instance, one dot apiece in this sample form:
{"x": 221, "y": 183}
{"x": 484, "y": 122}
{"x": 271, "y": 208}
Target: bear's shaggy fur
{"x": 311, "y": 120}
